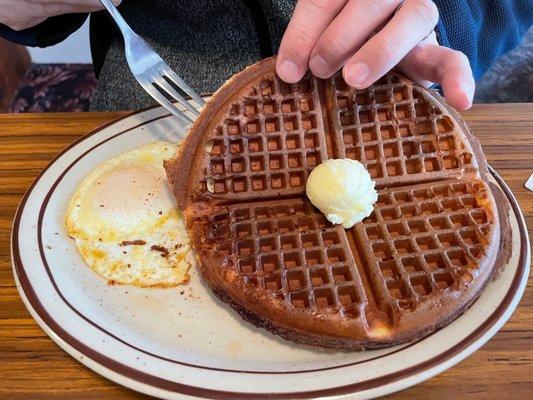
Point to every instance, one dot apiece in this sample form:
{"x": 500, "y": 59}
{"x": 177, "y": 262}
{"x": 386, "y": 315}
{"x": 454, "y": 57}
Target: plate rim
{"x": 420, "y": 371}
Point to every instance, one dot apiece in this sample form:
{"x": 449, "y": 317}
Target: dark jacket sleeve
{"x": 51, "y": 31}
{"x": 483, "y": 29}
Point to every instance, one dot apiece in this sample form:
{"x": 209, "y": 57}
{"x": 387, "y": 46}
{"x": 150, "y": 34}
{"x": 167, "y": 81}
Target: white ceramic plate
{"x": 173, "y": 345}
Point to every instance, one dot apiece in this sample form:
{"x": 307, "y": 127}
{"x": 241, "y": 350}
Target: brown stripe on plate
{"x": 160, "y": 383}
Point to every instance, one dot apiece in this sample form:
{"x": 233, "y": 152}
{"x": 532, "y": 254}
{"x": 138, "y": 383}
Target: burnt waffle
{"x": 417, "y": 262}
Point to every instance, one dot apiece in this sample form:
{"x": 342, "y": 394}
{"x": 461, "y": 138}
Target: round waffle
{"x": 415, "y": 264}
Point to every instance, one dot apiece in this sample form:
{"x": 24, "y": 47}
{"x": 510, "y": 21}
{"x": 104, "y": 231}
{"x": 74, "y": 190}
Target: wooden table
{"x": 33, "y": 367}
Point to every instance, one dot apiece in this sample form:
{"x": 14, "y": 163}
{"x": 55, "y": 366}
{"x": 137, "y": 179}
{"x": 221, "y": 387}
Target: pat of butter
{"x": 529, "y": 183}
{"x": 342, "y": 190}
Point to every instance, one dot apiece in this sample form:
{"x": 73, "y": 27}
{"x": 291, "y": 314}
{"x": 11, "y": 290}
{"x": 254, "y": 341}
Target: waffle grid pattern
{"x": 269, "y": 141}
{"x": 394, "y": 131}
{"x": 294, "y": 253}
{"x": 424, "y": 239}
{"x": 421, "y": 239}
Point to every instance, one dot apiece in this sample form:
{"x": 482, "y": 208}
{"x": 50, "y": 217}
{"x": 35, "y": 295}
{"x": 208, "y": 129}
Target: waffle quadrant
{"x": 416, "y": 263}
{"x": 267, "y": 143}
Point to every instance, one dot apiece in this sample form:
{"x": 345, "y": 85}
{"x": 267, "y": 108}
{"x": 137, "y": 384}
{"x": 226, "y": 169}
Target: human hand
{"x": 23, "y": 14}
{"x": 367, "y": 38}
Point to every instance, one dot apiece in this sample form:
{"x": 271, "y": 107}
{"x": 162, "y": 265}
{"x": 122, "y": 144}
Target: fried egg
{"x": 125, "y": 223}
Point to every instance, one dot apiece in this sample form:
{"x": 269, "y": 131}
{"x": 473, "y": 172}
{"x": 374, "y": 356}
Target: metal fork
{"x": 154, "y": 75}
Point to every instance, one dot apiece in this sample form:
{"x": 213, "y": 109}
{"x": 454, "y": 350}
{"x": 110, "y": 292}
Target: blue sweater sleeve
{"x": 483, "y": 29}
{"x": 53, "y": 30}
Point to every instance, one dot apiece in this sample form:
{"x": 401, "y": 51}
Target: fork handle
{"x": 119, "y": 20}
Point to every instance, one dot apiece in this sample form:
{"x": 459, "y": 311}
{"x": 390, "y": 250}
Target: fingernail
{"x": 319, "y": 66}
{"x": 463, "y": 100}
{"x": 468, "y": 94}
{"x": 357, "y": 74}
{"x": 470, "y": 89}
{"x": 288, "y": 71}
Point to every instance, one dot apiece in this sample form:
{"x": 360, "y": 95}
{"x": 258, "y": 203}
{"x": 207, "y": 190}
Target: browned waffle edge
{"x": 506, "y": 237}
{"x": 178, "y": 168}
{"x": 179, "y": 171}
{"x": 351, "y": 344}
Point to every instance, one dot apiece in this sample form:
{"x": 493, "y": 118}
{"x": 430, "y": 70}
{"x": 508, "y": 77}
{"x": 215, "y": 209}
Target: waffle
{"x": 416, "y": 263}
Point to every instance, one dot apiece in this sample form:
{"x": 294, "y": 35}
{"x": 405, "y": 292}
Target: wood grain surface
{"x": 33, "y": 367}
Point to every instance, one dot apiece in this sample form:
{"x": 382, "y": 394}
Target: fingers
{"x": 409, "y": 65}
{"x": 347, "y": 32}
{"x": 309, "y": 20}
{"x": 50, "y": 8}
{"x": 81, "y": 3}
{"x": 22, "y": 24}
{"x": 450, "y": 68}
{"x": 23, "y": 14}
{"x": 411, "y": 24}
{"x": 18, "y": 15}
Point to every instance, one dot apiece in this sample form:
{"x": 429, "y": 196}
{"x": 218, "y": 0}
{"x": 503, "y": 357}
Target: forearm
{"x": 51, "y": 31}
{"x": 483, "y": 29}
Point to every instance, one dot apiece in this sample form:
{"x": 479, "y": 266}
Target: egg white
{"x": 125, "y": 223}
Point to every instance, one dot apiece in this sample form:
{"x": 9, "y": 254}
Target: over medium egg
{"x": 125, "y": 223}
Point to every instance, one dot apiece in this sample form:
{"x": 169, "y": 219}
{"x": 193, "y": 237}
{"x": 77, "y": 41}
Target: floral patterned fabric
{"x": 56, "y": 88}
